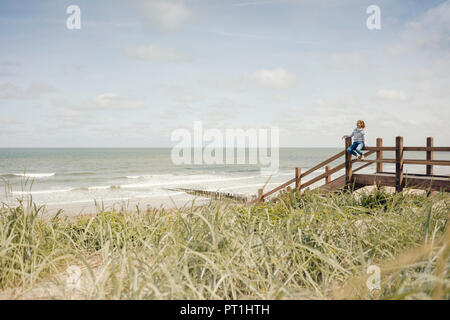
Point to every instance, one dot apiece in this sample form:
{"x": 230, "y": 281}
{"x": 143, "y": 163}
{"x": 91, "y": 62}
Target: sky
{"x": 138, "y": 70}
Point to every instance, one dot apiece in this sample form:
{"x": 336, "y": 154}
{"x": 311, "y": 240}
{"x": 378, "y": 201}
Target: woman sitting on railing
{"x": 358, "y": 140}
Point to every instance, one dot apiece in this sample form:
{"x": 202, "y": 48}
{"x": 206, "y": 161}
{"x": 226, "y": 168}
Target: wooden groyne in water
{"x": 216, "y": 194}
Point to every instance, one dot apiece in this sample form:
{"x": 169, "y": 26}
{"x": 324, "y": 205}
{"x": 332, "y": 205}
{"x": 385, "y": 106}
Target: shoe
{"x": 358, "y": 157}
{"x": 362, "y": 157}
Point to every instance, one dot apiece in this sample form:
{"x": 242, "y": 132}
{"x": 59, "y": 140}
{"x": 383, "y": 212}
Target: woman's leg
{"x": 359, "y": 147}
{"x": 352, "y": 148}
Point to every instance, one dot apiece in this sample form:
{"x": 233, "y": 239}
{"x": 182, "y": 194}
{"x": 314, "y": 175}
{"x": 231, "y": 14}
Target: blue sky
{"x": 137, "y": 70}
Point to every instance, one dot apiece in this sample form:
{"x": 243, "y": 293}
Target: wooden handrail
{"x": 437, "y": 149}
{"x": 331, "y": 171}
{"x": 379, "y": 161}
{"x": 428, "y": 162}
{"x": 323, "y": 175}
{"x": 284, "y": 185}
{"x": 413, "y": 161}
{"x": 315, "y": 179}
{"x": 380, "y": 148}
{"x": 399, "y": 160}
{"x": 324, "y": 163}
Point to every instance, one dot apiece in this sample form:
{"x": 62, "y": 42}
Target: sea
{"x": 79, "y": 179}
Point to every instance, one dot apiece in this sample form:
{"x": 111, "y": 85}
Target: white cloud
{"x": 392, "y": 95}
{"x": 7, "y": 73}
{"x": 353, "y": 61}
{"x": 250, "y": 3}
{"x": 280, "y": 98}
{"x": 114, "y": 101}
{"x": 277, "y": 78}
{"x": 166, "y": 15}
{"x": 107, "y": 101}
{"x": 157, "y": 53}
{"x": 33, "y": 91}
{"x": 218, "y": 81}
{"x": 7, "y": 69}
{"x": 70, "y": 115}
{"x": 182, "y": 95}
{"x": 9, "y": 64}
{"x": 430, "y": 32}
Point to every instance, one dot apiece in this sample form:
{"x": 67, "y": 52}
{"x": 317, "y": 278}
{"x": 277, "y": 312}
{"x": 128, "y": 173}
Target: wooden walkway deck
{"x": 353, "y": 180}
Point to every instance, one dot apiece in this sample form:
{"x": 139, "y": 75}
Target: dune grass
{"x": 308, "y": 247}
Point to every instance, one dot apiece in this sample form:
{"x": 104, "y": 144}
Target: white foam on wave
{"x": 103, "y": 187}
{"x": 41, "y": 192}
{"x": 149, "y": 176}
{"x": 34, "y": 175}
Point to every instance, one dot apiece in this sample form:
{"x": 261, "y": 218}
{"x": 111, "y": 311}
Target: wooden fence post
{"x": 429, "y": 156}
{"x": 260, "y": 196}
{"x": 379, "y": 155}
{"x": 348, "y": 162}
{"x": 399, "y": 182}
{"x": 298, "y": 174}
{"x": 328, "y": 177}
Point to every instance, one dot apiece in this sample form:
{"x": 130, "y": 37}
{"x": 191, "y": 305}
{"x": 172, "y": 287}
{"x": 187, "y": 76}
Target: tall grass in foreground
{"x": 308, "y": 247}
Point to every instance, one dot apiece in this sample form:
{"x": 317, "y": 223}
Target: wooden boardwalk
{"x": 353, "y": 180}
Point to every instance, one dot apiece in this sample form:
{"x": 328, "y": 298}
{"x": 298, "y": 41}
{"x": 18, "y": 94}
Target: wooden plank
{"x": 399, "y": 183}
{"x": 370, "y": 152}
{"x": 379, "y": 161}
{"x": 427, "y": 162}
{"x": 298, "y": 177}
{"x": 429, "y": 156}
{"x": 436, "y": 149}
{"x": 348, "y": 162}
{"x": 320, "y": 165}
{"x": 284, "y": 185}
{"x": 333, "y": 185}
{"x": 379, "y": 155}
{"x": 328, "y": 176}
{"x": 426, "y": 182}
{"x": 260, "y": 196}
{"x": 411, "y": 181}
{"x": 383, "y": 179}
{"x": 320, "y": 177}
{"x": 380, "y": 148}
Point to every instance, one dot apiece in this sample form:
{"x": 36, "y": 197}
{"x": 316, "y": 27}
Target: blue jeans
{"x": 356, "y": 148}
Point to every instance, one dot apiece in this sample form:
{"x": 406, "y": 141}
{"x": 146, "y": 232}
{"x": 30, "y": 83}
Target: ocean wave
{"x": 95, "y": 188}
{"x": 77, "y": 173}
{"x": 30, "y": 175}
{"x": 148, "y": 176}
{"x": 103, "y": 187}
{"x": 40, "y": 192}
{"x": 32, "y": 192}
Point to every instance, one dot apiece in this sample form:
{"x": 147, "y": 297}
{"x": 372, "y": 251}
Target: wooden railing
{"x": 399, "y": 162}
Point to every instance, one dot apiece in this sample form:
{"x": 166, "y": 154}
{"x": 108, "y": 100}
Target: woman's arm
{"x": 350, "y": 135}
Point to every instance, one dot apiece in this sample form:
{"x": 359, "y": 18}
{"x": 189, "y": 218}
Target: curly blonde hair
{"x": 361, "y": 123}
